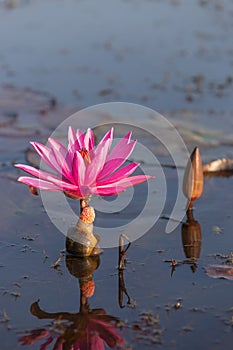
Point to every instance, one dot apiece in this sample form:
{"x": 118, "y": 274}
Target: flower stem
{"x": 83, "y": 204}
{"x": 190, "y": 205}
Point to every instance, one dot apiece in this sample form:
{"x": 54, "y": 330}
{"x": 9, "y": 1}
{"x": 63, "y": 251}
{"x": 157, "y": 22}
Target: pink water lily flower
{"x": 99, "y": 331}
{"x": 84, "y": 169}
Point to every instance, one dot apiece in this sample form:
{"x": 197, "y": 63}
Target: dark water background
{"x": 173, "y": 56}
{"x": 142, "y": 51}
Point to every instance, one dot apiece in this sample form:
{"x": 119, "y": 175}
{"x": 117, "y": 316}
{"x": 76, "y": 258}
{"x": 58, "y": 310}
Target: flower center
{"x": 86, "y": 155}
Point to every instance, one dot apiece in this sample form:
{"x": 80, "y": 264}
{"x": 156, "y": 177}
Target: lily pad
{"x": 219, "y": 166}
{"x": 220, "y": 271}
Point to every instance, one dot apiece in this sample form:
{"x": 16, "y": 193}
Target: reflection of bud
{"x": 193, "y": 178}
{"x": 83, "y": 268}
{"x": 87, "y": 288}
{"x": 191, "y": 237}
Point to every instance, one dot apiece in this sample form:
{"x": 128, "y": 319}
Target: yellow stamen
{"x": 86, "y": 155}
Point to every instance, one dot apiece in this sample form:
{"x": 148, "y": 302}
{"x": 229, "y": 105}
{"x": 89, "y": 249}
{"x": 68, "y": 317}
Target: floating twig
{"x": 121, "y": 265}
{"x": 122, "y": 251}
{"x": 57, "y": 262}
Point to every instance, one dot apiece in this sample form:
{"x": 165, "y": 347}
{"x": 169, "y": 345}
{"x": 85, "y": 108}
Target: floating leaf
{"x": 219, "y": 167}
{"x": 220, "y": 271}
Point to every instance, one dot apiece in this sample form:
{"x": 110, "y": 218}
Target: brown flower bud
{"x": 193, "y": 178}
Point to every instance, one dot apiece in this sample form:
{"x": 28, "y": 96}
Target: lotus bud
{"x": 193, "y": 178}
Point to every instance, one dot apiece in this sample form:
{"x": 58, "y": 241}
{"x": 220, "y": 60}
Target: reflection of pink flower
{"x": 97, "y": 332}
{"x": 85, "y": 169}
{"x": 34, "y": 336}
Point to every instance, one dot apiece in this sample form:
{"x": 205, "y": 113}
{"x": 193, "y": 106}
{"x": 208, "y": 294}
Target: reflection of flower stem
{"x": 86, "y": 329}
{"x": 121, "y": 265}
{"x": 122, "y": 290}
{"x": 84, "y": 305}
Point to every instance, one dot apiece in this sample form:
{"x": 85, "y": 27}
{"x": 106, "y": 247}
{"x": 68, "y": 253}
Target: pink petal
{"x": 80, "y": 138}
{"x": 89, "y": 341}
{"x": 89, "y": 140}
{"x": 78, "y": 144}
{"x": 62, "y": 157}
{"x": 120, "y": 146}
{"x": 109, "y": 167}
{"x": 71, "y": 137}
{"x": 48, "y": 177}
{"x": 37, "y": 183}
{"x": 120, "y": 186}
{"x": 44, "y": 346}
{"x": 59, "y": 344}
{"x": 47, "y": 156}
{"x": 97, "y": 163}
{"x": 107, "y": 332}
{"x": 122, "y": 151}
{"x": 95, "y": 343}
{"x": 79, "y": 169}
{"x": 120, "y": 174}
{"x": 76, "y": 194}
{"x": 116, "y": 159}
{"x": 59, "y": 149}
{"x": 134, "y": 180}
{"x": 107, "y": 136}
{"x": 108, "y": 191}
{"x": 33, "y": 336}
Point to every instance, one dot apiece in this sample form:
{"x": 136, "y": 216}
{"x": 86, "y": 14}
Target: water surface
{"x": 174, "y": 56}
